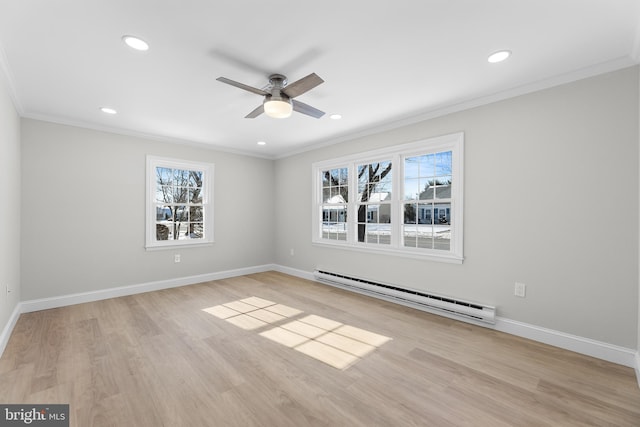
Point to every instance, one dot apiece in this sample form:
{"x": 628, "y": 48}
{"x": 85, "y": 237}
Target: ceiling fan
{"x": 278, "y": 98}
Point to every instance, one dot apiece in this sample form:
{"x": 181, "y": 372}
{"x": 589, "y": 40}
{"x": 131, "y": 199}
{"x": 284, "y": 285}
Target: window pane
{"x": 344, "y": 177}
{"x": 195, "y": 214}
{"x": 180, "y": 194}
{"x": 181, "y": 213}
{"x": 372, "y": 213}
{"x": 195, "y": 179}
{"x": 181, "y": 230}
{"x": 164, "y": 193}
{"x": 442, "y": 226}
{"x": 162, "y": 232}
{"x": 443, "y": 191}
{"x": 326, "y": 194}
{"x": 410, "y": 213}
{"x": 425, "y": 213}
{"x": 362, "y": 181}
{"x": 335, "y": 177}
{"x": 325, "y": 178}
{"x": 195, "y": 195}
{"x": 375, "y": 181}
{"x": 335, "y": 195}
{"x": 181, "y": 177}
{"x": 428, "y": 189}
{"x": 443, "y": 163}
{"x": 172, "y": 227}
{"x": 196, "y": 231}
{"x": 411, "y": 167}
{"x": 344, "y": 193}
{"x": 164, "y": 213}
{"x": 411, "y": 189}
{"x": 164, "y": 176}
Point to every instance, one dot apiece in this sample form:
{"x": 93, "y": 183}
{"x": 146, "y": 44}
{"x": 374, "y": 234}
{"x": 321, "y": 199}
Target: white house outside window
{"x": 403, "y": 200}
{"x": 179, "y": 208}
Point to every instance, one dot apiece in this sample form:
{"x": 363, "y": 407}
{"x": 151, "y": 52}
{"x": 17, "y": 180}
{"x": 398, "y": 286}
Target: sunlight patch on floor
{"x": 326, "y": 340}
{"x": 252, "y": 313}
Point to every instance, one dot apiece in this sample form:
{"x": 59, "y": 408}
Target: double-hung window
{"x": 179, "y": 204}
{"x": 403, "y": 200}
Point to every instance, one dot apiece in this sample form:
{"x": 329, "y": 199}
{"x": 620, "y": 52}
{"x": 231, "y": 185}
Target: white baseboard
{"x": 79, "y": 298}
{"x": 598, "y": 349}
{"x": 601, "y": 350}
{"x": 294, "y": 272}
{"x": 6, "y": 332}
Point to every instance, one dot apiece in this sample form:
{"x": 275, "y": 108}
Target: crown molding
{"x": 7, "y": 76}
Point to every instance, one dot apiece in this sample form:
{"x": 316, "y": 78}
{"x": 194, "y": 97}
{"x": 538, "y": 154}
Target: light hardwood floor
{"x": 160, "y": 359}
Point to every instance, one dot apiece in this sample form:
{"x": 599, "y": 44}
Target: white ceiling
{"x": 384, "y": 62}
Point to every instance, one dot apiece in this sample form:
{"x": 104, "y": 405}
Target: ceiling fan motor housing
{"x": 278, "y": 80}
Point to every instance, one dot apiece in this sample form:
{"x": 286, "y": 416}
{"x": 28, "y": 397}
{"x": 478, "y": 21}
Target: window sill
{"x": 177, "y": 245}
{"x": 404, "y": 253}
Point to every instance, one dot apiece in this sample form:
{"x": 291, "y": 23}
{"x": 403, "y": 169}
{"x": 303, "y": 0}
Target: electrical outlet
{"x": 176, "y": 258}
{"x": 292, "y": 252}
{"x": 8, "y": 289}
{"x": 520, "y": 290}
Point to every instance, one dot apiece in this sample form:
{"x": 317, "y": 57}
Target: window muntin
{"x": 179, "y": 211}
{"x": 406, "y": 200}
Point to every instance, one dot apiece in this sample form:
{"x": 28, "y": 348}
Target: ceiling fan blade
{"x": 255, "y": 113}
{"x": 303, "y": 108}
{"x": 303, "y": 85}
{"x": 242, "y": 86}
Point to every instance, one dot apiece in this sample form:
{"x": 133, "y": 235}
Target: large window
{"x": 404, "y": 200}
{"x": 179, "y": 208}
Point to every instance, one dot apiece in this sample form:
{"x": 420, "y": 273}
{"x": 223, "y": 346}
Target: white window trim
{"x": 207, "y": 201}
{"x": 453, "y": 142}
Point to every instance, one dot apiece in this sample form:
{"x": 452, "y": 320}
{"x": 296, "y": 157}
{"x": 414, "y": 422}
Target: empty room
{"x": 335, "y": 214}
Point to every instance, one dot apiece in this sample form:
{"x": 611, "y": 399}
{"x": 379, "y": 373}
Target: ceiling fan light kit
{"x": 278, "y": 98}
{"x": 278, "y": 108}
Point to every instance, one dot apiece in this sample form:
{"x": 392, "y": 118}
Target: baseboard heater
{"x": 446, "y": 306}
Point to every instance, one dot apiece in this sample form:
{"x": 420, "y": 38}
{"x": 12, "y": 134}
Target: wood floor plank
{"x": 161, "y": 359}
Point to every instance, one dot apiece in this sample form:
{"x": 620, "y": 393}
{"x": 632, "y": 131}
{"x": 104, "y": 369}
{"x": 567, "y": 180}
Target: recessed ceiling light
{"x": 262, "y": 143}
{"x": 335, "y": 117}
{"x": 135, "y": 43}
{"x": 499, "y": 56}
{"x": 108, "y": 110}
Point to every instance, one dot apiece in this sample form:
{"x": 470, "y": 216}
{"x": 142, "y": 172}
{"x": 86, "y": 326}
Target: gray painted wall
{"x": 551, "y": 200}
{"x": 10, "y": 205}
{"x": 83, "y": 212}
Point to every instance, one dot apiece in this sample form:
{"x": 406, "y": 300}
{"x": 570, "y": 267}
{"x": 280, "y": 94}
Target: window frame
{"x": 396, "y": 154}
{"x": 207, "y": 169}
